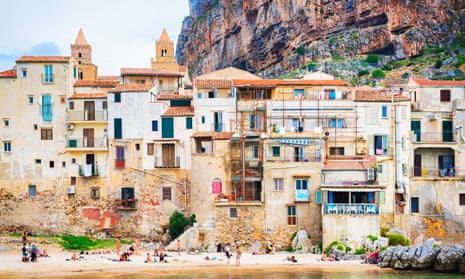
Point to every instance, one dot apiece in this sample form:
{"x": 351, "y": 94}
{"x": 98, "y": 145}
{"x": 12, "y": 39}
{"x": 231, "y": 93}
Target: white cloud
{"x": 122, "y": 32}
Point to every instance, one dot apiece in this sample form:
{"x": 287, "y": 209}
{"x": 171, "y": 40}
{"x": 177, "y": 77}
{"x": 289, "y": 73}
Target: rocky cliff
{"x": 272, "y": 37}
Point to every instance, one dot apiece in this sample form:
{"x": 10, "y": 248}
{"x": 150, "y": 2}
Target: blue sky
{"x": 122, "y": 32}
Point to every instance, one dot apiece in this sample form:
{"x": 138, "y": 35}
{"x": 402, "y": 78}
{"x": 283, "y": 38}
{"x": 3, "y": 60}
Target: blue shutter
{"x": 330, "y": 197}
{"x": 220, "y": 121}
{"x": 318, "y": 197}
{"x": 251, "y": 121}
{"x": 118, "y": 122}
{"x": 47, "y": 107}
{"x": 154, "y": 125}
{"x": 167, "y": 128}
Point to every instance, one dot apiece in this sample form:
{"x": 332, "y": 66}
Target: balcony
{"x": 351, "y": 209}
{"x": 120, "y": 164}
{"x": 127, "y": 204}
{"x": 306, "y": 157}
{"x": 84, "y": 115}
{"x": 168, "y": 162}
{"x": 87, "y": 143}
{"x": 88, "y": 170}
{"x": 434, "y": 137}
{"x": 302, "y": 195}
{"x": 428, "y": 172}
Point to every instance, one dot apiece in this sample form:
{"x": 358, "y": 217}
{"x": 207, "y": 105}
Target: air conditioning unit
{"x": 70, "y": 190}
{"x": 69, "y": 126}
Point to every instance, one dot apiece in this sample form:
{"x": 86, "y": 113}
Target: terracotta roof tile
{"x": 350, "y": 163}
{"x": 132, "y": 88}
{"x": 179, "y": 111}
{"x": 209, "y": 83}
{"x": 283, "y": 82}
{"x": 8, "y": 74}
{"x": 428, "y": 82}
{"x": 109, "y": 78}
{"x": 96, "y": 83}
{"x": 39, "y": 59}
{"x": 214, "y": 135}
{"x": 89, "y": 96}
{"x": 174, "y": 96}
{"x": 377, "y": 95}
{"x": 148, "y": 72}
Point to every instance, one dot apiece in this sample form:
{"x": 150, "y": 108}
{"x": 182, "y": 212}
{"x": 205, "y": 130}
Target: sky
{"x": 122, "y": 33}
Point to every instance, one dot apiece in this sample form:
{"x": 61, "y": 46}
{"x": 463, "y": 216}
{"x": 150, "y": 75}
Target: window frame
{"x": 46, "y": 133}
{"x": 278, "y": 184}
{"x": 7, "y": 146}
{"x": 445, "y": 95}
{"x": 291, "y": 215}
{"x": 167, "y": 194}
{"x": 117, "y": 97}
{"x": 415, "y": 206}
{"x": 384, "y": 111}
{"x": 461, "y": 199}
{"x": 276, "y": 151}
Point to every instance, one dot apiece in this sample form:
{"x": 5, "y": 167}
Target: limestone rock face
{"x": 264, "y": 35}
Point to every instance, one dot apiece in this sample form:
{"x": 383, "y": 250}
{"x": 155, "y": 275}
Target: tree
{"x": 378, "y": 74}
{"x": 178, "y": 223}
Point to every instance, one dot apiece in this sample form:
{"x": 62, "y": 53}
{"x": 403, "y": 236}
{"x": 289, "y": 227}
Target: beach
{"x": 105, "y": 264}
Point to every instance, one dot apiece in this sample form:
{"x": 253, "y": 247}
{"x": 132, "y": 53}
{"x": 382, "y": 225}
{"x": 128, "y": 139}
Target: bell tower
{"x": 164, "y": 54}
{"x": 82, "y": 52}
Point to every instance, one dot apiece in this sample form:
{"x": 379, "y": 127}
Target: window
{"x": 73, "y": 180}
{"x": 24, "y": 73}
{"x": 48, "y": 76}
{"x": 189, "y": 123}
{"x": 415, "y": 126}
{"x": 32, "y": 191}
{"x": 299, "y": 93}
{"x": 278, "y": 184}
{"x": 384, "y": 112}
{"x": 137, "y": 146}
{"x": 71, "y": 105}
{"x": 46, "y": 133}
{"x": 336, "y": 151}
{"x": 166, "y": 193}
{"x": 199, "y": 95}
{"x": 414, "y": 205}
{"x": 233, "y": 212}
{"x": 6, "y": 122}
{"x": 461, "y": 199}
{"x": 95, "y": 192}
{"x": 63, "y": 164}
{"x": 30, "y": 99}
{"x": 380, "y": 145}
{"x": 75, "y": 72}
{"x": 164, "y": 52}
{"x": 218, "y": 121}
{"x": 445, "y": 96}
{"x": 117, "y": 97}
{"x": 51, "y": 164}
{"x": 291, "y": 215}
{"x": 154, "y": 125}
{"x": 336, "y": 123}
{"x": 119, "y": 157}
{"x": 38, "y": 161}
{"x": 276, "y": 151}
{"x": 35, "y": 126}
{"x": 254, "y": 149}
{"x": 301, "y": 184}
{"x": 203, "y": 119}
{"x": 7, "y": 146}
{"x": 150, "y": 148}
{"x": 252, "y": 121}
{"x": 118, "y": 122}
{"x": 47, "y": 107}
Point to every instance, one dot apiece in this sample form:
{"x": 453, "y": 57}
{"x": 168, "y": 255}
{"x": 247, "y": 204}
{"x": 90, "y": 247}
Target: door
{"x": 417, "y": 165}
{"x": 88, "y": 137}
{"x": 168, "y": 155}
{"x": 90, "y": 163}
{"x": 89, "y": 110}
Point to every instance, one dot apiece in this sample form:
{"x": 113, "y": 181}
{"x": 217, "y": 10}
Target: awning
{"x": 334, "y": 189}
{"x": 297, "y": 141}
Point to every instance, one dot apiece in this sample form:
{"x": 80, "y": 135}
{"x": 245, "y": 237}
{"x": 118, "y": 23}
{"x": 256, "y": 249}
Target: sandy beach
{"x": 101, "y": 265}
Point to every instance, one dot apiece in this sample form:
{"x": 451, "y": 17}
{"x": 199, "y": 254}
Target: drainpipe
{"x": 460, "y": 128}
{"x": 398, "y": 152}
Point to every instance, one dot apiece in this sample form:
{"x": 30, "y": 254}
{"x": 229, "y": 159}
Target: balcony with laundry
{"x": 434, "y": 163}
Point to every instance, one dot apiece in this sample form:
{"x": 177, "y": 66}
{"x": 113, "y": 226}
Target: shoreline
{"x": 105, "y": 265}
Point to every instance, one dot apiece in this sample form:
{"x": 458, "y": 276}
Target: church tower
{"x": 82, "y": 52}
{"x": 164, "y": 54}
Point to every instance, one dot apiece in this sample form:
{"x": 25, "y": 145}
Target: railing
{"x": 88, "y": 170}
{"x": 164, "y": 162}
{"x": 351, "y": 208}
{"x": 302, "y": 195}
{"x": 87, "y": 143}
{"x": 436, "y": 137}
{"x": 306, "y": 157}
{"x": 433, "y": 172}
{"x": 127, "y": 204}
{"x": 120, "y": 164}
{"x": 84, "y": 115}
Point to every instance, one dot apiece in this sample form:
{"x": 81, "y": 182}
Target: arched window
{"x": 164, "y": 52}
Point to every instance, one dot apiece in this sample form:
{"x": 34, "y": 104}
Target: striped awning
{"x": 296, "y": 141}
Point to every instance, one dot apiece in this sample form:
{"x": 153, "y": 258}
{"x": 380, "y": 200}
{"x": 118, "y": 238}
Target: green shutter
{"x": 382, "y": 199}
{"x": 447, "y": 133}
{"x": 167, "y": 128}
{"x": 415, "y": 126}
{"x": 118, "y": 122}
{"x": 188, "y": 123}
{"x": 318, "y": 197}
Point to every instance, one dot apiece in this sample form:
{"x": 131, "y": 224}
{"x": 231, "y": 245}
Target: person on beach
{"x": 34, "y": 253}
{"x": 24, "y": 236}
{"x": 227, "y": 252}
{"x": 136, "y": 246}
{"x": 374, "y": 257}
{"x": 25, "y": 254}
{"x": 148, "y": 258}
{"x": 178, "y": 247}
{"x": 162, "y": 255}
{"x": 118, "y": 245}
{"x": 269, "y": 249}
{"x": 238, "y": 255}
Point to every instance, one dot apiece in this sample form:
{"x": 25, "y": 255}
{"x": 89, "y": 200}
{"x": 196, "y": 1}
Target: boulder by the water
{"x": 301, "y": 242}
{"x": 425, "y": 256}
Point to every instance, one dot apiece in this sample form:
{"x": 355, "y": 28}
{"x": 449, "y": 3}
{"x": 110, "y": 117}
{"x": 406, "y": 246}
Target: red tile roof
{"x": 8, "y": 74}
{"x": 132, "y": 88}
{"x": 376, "y": 95}
{"x": 39, "y": 59}
{"x": 109, "y": 77}
{"x": 96, "y": 83}
{"x": 209, "y": 83}
{"x": 89, "y": 96}
{"x": 284, "y": 82}
{"x": 174, "y": 96}
{"x": 179, "y": 111}
{"x": 349, "y": 163}
{"x": 148, "y": 72}
{"x": 428, "y": 82}
{"x": 214, "y": 135}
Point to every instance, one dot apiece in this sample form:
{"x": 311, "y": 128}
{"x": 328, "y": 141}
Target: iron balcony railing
{"x": 351, "y": 208}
